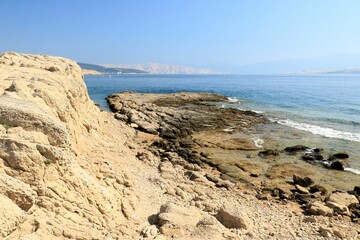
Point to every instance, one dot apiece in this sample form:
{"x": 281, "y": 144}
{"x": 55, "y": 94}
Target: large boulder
{"x": 177, "y": 221}
{"x": 341, "y": 202}
{"x": 343, "y": 198}
{"x": 231, "y": 215}
{"x": 318, "y": 208}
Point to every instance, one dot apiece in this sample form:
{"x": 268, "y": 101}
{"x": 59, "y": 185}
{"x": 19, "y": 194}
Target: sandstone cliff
{"x": 70, "y": 171}
{"x": 62, "y": 173}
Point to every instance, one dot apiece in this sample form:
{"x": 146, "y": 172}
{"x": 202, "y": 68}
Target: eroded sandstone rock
{"x": 57, "y": 156}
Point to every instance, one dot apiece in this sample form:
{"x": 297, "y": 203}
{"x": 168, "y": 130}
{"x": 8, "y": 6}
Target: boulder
{"x": 231, "y": 215}
{"x": 339, "y": 165}
{"x": 341, "y": 209}
{"x": 176, "y": 221}
{"x": 318, "y": 208}
{"x": 343, "y": 198}
{"x": 355, "y": 212}
{"x": 357, "y": 190}
{"x": 340, "y": 155}
{"x": 304, "y": 182}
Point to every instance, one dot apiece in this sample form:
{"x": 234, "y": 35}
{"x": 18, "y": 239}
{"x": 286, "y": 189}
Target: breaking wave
{"x": 323, "y": 131}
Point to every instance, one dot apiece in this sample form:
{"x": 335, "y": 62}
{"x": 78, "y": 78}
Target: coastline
{"x": 71, "y": 171}
{"x": 226, "y": 139}
{"x": 243, "y": 142}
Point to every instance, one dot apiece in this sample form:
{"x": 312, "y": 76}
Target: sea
{"x": 320, "y": 110}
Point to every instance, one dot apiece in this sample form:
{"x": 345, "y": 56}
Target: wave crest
{"x": 323, "y": 131}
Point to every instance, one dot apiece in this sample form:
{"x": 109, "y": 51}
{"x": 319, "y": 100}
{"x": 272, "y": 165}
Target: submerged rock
{"x": 357, "y": 190}
{"x": 295, "y": 149}
{"x": 339, "y": 165}
{"x": 312, "y": 157}
{"x": 340, "y": 155}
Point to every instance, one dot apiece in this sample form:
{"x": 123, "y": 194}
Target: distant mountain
{"x": 344, "y": 62}
{"x": 156, "y": 68}
{"x": 107, "y": 70}
{"x": 340, "y": 71}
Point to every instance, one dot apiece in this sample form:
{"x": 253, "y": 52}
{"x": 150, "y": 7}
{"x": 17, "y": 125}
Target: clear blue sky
{"x": 188, "y": 32}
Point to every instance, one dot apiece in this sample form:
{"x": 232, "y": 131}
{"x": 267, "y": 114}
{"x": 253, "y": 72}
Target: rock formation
{"x": 71, "y": 171}
{"x": 61, "y": 174}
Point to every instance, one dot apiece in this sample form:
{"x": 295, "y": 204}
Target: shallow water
{"x": 313, "y": 110}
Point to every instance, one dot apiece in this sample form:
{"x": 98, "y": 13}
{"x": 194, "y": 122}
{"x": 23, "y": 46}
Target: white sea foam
{"x": 353, "y": 170}
{"x": 255, "y": 111}
{"x": 258, "y": 142}
{"x": 233, "y": 100}
{"x": 258, "y": 112}
{"x": 323, "y": 131}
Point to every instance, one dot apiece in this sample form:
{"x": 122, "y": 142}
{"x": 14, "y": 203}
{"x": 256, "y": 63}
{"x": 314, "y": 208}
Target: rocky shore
{"x": 160, "y": 167}
{"x": 188, "y": 129}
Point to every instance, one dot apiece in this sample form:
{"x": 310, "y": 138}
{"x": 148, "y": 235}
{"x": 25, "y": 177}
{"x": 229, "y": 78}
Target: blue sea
{"x": 321, "y": 110}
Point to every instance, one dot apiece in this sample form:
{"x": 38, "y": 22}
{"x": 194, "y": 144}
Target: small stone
{"x": 169, "y": 231}
{"x": 207, "y": 221}
{"x": 317, "y": 150}
{"x": 195, "y": 176}
{"x": 264, "y": 196}
{"x": 318, "y": 188}
{"x": 295, "y": 149}
{"x": 339, "y": 234}
{"x": 212, "y": 177}
{"x": 225, "y": 183}
{"x": 149, "y": 231}
{"x": 269, "y": 153}
{"x": 309, "y": 219}
{"x": 325, "y": 232}
{"x": 134, "y": 125}
{"x": 301, "y": 189}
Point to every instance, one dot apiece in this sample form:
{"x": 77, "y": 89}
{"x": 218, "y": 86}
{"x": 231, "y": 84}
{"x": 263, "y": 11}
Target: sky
{"x": 224, "y": 35}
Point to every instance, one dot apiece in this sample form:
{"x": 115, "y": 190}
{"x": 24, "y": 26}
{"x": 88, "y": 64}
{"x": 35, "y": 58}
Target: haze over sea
{"x": 324, "y": 108}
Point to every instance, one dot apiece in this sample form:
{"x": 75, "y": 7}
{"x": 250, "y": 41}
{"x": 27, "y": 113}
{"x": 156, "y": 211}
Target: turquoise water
{"x": 326, "y": 107}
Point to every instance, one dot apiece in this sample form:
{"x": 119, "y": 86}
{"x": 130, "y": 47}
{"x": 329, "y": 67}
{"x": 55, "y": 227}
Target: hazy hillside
{"x": 157, "y": 68}
{"x": 339, "y": 71}
{"x": 103, "y": 69}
